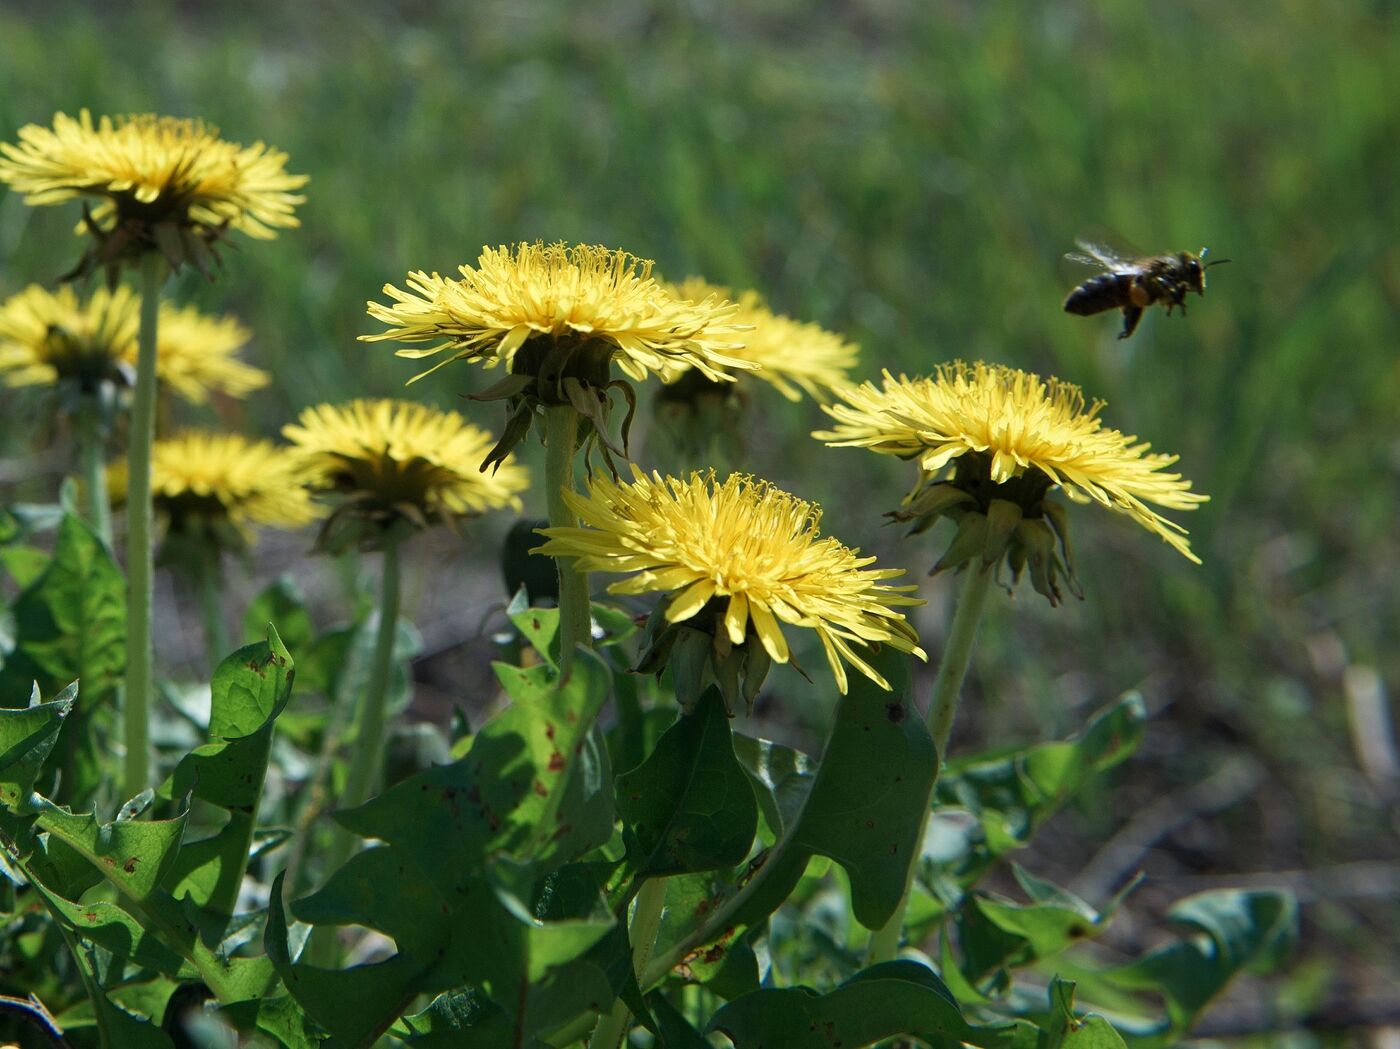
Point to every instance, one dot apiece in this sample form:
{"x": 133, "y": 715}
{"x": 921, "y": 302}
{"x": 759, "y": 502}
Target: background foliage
{"x": 910, "y": 174}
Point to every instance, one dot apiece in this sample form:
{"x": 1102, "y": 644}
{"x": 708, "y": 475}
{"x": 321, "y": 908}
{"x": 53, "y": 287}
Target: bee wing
{"x": 1100, "y": 255}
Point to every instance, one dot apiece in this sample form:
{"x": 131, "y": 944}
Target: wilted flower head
{"x": 992, "y": 442}
{"x": 397, "y": 464}
{"x": 211, "y": 488}
{"x": 789, "y": 354}
{"x": 736, "y": 559}
{"x": 559, "y": 316}
{"x": 161, "y": 183}
{"x": 53, "y": 337}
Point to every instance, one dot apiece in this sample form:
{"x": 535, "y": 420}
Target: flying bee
{"x": 1132, "y": 285}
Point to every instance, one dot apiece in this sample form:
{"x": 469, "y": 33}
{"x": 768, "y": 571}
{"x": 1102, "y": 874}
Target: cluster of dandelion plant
{"x": 736, "y": 570}
{"x": 559, "y": 317}
{"x": 389, "y": 468}
{"x": 158, "y": 193}
{"x": 993, "y": 445}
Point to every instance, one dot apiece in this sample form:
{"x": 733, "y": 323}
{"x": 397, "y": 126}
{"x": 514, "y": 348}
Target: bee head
{"x": 1196, "y": 266}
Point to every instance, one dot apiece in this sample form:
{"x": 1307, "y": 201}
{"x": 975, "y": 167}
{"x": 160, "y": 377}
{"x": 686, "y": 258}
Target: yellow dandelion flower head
{"x": 152, "y": 169}
{"x": 753, "y": 550}
{"x": 1019, "y": 425}
{"x": 791, "y": 355}
{"x": 47, "y": 337}
{"x": 399, "y": 457}
{"x": 196, "y": 355}
{"x": 583, "y": 292}
{"x": 204, "y": 476}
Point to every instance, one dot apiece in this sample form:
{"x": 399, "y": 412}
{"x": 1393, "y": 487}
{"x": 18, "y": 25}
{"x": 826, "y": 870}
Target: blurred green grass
{"x": 909, "y": 173}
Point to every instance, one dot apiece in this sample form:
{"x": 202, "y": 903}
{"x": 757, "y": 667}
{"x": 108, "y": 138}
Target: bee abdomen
{"x": 1107, "y": 291}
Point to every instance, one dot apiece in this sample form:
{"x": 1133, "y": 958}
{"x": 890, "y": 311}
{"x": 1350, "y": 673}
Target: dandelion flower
{"x": 52, "y": 337}
{"x": 791, "y": 355}
{"x": 392, "y": 461}
{"x": 161, "y": 183}
{"x": 991, "y": 442}
{"x": 220, "y": 485}
{"x": 576, "y": 295}
{"x": 195, "y": 355}
{"x": 737, "y": 559}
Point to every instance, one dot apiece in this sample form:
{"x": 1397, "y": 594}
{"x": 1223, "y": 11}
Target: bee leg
{"x": 1131, "y": 316}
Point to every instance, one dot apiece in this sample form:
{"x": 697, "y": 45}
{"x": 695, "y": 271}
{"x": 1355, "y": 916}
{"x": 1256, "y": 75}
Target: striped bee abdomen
{"x": 1107, "y": 291}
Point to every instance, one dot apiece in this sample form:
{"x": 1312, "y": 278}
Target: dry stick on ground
{"x": 1231, "y": 784}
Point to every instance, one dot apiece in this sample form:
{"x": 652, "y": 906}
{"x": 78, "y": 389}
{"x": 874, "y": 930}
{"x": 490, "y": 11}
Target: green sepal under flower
{"x": 572, "y": 370}
{"x": 700, "y": 653}
{"x": 1014, "y": 523}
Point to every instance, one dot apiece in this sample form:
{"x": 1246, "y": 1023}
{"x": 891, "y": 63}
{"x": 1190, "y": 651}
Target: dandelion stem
{"x": 646, "y": 920}
{"x": 92, "y": 449}
{"x": 140, "y": 555}
{"x": 369, "y": 737}
{"x": 561, "y": 439}
{"x": 367, "y": 762}
{"x": 211, "y": 609}
{"x": 947, "y": 686}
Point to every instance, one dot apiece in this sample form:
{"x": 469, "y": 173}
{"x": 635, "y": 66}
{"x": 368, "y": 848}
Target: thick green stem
{"x": 211, "y": 609}
{"x": 140, "y": 554}
{"x": 368, "y": 760}
{"x": 575, "y": 616}
{"x": 92, "y": 449}
{"x": 646, "y": 920}
{"x": 947, "y": 687}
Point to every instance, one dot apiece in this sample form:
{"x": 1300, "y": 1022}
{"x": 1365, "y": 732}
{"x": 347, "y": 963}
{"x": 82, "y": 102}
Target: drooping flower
{"x": 54, "y": 337}
{"x": 390, "y": 462}
{"x": 737, "y": 559}
{"x": 212, "y": 488}
{"x": 559, "y": 316}
{"x": 992, "y": 442}
{"x": 791, "y": 355}
{"x": 161, "y": 184}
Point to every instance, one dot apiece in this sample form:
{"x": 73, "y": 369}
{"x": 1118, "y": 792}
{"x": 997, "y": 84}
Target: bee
{"x": 1132, "y": 285}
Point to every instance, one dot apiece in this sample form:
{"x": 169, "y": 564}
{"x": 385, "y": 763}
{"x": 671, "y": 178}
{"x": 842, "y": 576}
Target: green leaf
{"x": 1067, "y": 1030}
{"x": 781, "y": 776}
{"x": 24, "y": 563}
{"x": 26, "y": 738}
{"x": 675, "y": 1029}
{"x": 354, "y": 1005}
{"x": 539, "y": 627}
{"x": 880, "y": 1002}
{"x": 70, "y": 622}
{"x": 1054, "y": 920}
{"x": 1013, "y": 793}
{"x": 1236, "y": 930}
{"x": 690, "y": 804}
{"x": 115, "y": 930}
{"x": 250, "y": 689}
{"x": 280, "y": 604}
{"x": 461, "y": 1019}
{"x": 509, "y": 792}
{"x": 133, "y": 855}
{"x": 457, "y": 880}
{"x": 128, "y": 1031}
{"x": 280, "y": 1017}
{"x": 870, "y": 797}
